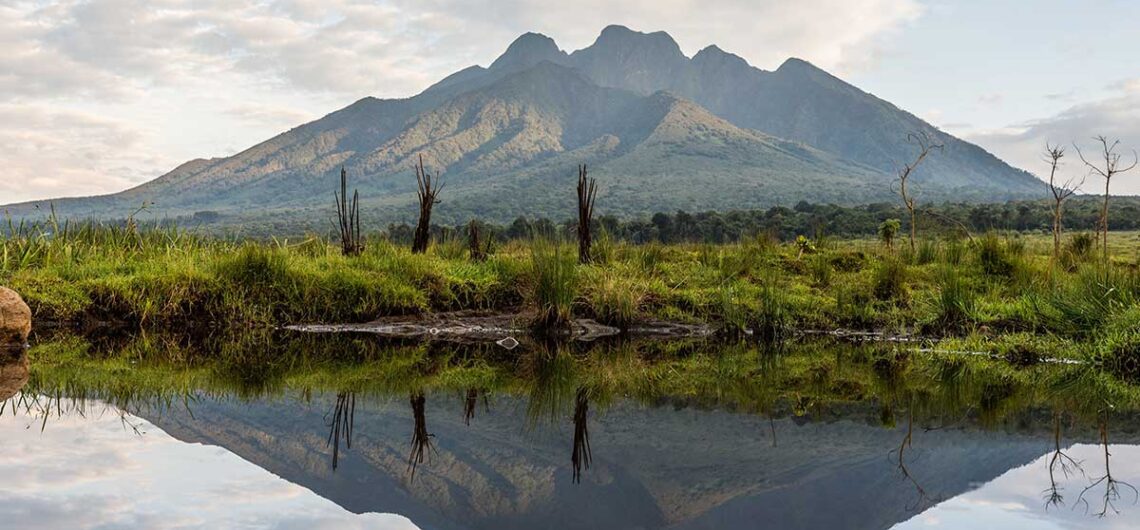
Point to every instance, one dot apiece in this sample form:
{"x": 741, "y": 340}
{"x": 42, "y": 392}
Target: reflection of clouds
{"x": 91, "y": 472}
{"x": 1013, "y": 500}
{"x": 26, "y": 511}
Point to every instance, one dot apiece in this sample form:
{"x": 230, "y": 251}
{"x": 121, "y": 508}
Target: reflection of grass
{"x": 800, "y": 378}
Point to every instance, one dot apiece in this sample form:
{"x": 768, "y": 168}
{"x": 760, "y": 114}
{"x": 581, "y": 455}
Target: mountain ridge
{"x": 660, "y": 130}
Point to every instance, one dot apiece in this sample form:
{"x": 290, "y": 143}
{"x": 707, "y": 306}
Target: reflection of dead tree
{"x": 1068, "y": 466}
{"x": 772, "y": 427}
{"x": 923, "y": 498}
{"x": 471, "y": 401}
{"x": 343, "y": 417}
{"x": 421, "y": 438}
{"x": 581, "y": 454}
{"x": 1111, "y": 485}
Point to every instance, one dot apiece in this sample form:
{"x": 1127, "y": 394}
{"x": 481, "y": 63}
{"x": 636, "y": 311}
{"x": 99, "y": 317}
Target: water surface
{"x": 555, "y": 445}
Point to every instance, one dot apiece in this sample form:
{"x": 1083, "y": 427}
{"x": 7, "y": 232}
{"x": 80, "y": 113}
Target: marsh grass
{"x": 889, "y": 280}
{"x": 614, "y": 295}
{"x": 820, "y": 268}
{"x": 554, "y": 273}
{"x": 927, "y": 252}
{"x": 154, "y": 278}
{"x": 772, "y": 321}
{"x": 955, "y": 304}
{"x": 994, "y": 256}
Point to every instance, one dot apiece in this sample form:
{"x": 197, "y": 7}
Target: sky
{"x": 100, "y": 96}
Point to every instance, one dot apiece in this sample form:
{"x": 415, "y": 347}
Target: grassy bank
{"x": 971, "y": 290}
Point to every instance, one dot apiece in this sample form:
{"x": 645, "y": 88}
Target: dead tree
{"x": 1061, "y": 191}
{"x": 427, "y": 192}
{"x": 587, "y": 190}
{"x": 1111, "y": 168}
{"x": 925, "y": 146}
{"x": 348, "y": 218}
{"x": 478, "y": 247}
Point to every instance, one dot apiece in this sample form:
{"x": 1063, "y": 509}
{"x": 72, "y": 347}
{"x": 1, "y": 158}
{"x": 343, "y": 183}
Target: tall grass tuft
{"x": 853, "y": 305}
{"x": 994, "y": 257}
{"x": 731, "y": 310}
{"x": 953, "y": 252}
{"x": 1088, "y": 300}
{"x": 955, "y": 304}
{"x": 820, "y": 268}
{"x": 1076, "y": 251}
{"x": 889, "y": 279}
{"x": 614, "y": 296}
{"x": 773, "y": 319}
{"x": 927, "y": 252}
{"x": 555, "y": 276}
{"x": 255, "y": 266}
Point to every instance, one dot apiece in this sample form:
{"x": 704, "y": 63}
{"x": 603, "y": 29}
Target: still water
{"x": 492, "y": 459}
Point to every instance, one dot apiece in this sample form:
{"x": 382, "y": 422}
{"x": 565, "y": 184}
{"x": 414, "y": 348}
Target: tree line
{"x": 807, "y": 219}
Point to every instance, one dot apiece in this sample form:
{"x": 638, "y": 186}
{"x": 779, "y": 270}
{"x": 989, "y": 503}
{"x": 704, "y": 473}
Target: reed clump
{"x": 554, "y": 277}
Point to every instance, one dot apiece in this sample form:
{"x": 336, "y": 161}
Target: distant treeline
{"x": 807, "y": 219}
{"x": 816, "y": 220}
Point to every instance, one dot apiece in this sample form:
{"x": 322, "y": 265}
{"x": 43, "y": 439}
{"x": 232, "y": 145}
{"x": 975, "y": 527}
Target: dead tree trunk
{"x": 427, "y": 192}
{"x": 925, "y": 146}
{"x": 1111, "y": 168}
{"x": 479, "y": 247}
{"x": 587, "y": 191}
{"x": 348, "y": 218}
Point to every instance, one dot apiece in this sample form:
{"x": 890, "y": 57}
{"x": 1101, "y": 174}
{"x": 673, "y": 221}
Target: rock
{"x": 15, "y": 318}
{"x": 13, "y": 374}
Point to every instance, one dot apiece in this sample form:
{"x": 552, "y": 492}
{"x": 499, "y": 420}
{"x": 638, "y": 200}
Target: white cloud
{"x": 1116, "y": 116}
{"x": 45, "y": 152}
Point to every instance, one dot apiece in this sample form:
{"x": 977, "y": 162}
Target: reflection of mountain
{"x": 653, "y": 467}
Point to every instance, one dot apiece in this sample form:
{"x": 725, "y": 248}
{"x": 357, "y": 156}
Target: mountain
{"x": 660, "y": 131}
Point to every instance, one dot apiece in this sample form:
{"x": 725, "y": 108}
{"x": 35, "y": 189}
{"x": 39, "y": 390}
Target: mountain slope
{"x": 798, "y": 102}
{"x": 661, "y": 132}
